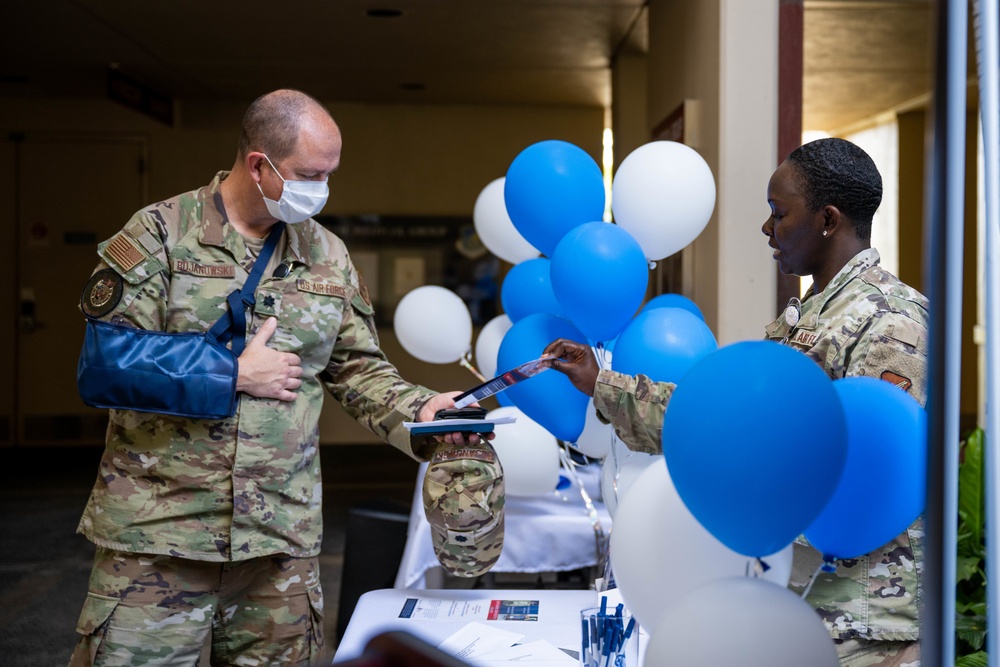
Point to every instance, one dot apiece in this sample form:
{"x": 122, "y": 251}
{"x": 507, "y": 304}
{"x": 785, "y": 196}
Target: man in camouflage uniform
{"x": 213, "y": 527}
{"x": 856, "y": 320}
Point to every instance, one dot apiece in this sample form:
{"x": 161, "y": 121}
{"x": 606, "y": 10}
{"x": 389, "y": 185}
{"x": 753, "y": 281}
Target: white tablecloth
{"x": 558, "y": 617}
{"x": 551, "y": 533}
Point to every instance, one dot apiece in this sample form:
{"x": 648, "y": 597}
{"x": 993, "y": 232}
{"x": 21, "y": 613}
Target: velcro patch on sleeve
{"x": 326, "y": 289}
{"x": 204, "y": 270}
{"x": 898, "y": 380}
{"x": 124, "y": 251}
{"x": 102, "y": 293}
{"x": 459, "y": 453}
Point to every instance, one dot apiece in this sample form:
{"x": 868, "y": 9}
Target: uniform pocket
{"x": 316, "y": 638}
{"x": 97, "y": 609}
{"x": 93, "y": 625}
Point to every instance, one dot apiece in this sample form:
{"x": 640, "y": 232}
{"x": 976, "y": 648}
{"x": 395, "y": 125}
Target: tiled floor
{"x": 44, "y": 564}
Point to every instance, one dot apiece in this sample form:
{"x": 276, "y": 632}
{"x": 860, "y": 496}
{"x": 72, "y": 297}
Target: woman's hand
{"x": 576, "y": 361}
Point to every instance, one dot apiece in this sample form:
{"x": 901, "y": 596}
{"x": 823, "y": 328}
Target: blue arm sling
{"x": 189, "y": 374}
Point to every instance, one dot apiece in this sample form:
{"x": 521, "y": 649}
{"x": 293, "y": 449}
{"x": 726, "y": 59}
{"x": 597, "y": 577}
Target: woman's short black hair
{"x": 836, "y": 172}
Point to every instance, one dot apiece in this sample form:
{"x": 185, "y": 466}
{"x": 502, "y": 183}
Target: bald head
{"x": 273, "y": 123}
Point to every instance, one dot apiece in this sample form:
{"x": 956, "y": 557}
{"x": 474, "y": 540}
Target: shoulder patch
{"x": 898, "y": 380}
{"x": 363, "y": 290}
{"x": 102, "y": 293}
{"x": 124, "y": 251}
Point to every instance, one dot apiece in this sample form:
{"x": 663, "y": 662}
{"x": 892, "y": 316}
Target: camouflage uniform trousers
{"x": 160, "y": 610}
{"x": 864, "y": 653}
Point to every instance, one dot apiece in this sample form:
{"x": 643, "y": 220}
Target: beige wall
{"x": 403, "y": 160}
{"x": 722, "y": 54}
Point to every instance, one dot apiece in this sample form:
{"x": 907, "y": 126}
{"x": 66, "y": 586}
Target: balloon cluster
{"x": 585, "y": 279}
{"x": 575, "y": 276}
{"x": 759, "y": 445}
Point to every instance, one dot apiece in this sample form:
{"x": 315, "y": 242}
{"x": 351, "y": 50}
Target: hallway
{"x": 44, "y": 564}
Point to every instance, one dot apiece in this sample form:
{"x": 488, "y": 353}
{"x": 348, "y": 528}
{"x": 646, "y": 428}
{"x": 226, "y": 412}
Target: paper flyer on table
{"x": 477, "y": 639}
{"x": 539, "y": 653}
{"x": 503, "y": 381}
{"x": 483, "y": 645}
{"x": 429, "y": 609}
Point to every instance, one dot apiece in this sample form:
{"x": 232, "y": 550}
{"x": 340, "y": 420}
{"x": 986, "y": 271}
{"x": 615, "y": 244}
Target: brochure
{"x": 503, "y": 381}
{"x": 430, "y": 609}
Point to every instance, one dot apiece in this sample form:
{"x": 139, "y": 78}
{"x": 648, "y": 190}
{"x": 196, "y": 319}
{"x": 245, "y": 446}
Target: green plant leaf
{"x": 970, "y": 487}
{"x": 974, "y": 660}
{"x": 966, "y": 567}
{"x": 971, "y": 630}
{"x": 972, "y": 609}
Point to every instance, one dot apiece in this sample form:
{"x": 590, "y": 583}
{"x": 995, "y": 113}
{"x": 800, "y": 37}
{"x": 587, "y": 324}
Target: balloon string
{"x": 464, "y": 361}
{"x": 601, "y": 354}
{"x": 756, "y": 567}
{"x": 600, "y": 538}
{"x": 812, "y": 580}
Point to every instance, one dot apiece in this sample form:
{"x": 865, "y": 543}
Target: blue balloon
{"x": 599, "y": 276}
{"x": 662, "y": 343}
{"x": 754, "y": 467}
{"x": 674, "y": 301}
{"x": 549, "y": 398}
{"x": 527, "y": 289}
{"x": 550, "y": 188}
{"x": 886, "y": 471}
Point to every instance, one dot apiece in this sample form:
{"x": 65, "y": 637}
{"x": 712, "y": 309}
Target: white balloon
{"x": 740, "y": 621}
{"x": 529, "y": 454}
{"x": 494, "y": 226}
{"x": 621, "y": 468}
{"x": 595, "y": 439}
{"x": 663, "y": 194}
{"x": 488, "y": 344}
{"x": 660, "y": 552}
{"x": 433, "y": 324}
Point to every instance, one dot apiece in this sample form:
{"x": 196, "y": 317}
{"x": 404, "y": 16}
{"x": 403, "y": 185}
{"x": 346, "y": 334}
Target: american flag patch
{"x": 123, "y": 250}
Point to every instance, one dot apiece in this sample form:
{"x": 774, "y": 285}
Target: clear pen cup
{"x": 608, "y": 639}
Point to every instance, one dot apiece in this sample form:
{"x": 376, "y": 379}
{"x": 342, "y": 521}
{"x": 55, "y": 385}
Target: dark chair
{"x": 374, "y": 541}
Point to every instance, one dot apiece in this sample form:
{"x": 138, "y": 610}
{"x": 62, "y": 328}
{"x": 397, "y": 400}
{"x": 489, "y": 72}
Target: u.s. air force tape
{"x": 102, "y": 293}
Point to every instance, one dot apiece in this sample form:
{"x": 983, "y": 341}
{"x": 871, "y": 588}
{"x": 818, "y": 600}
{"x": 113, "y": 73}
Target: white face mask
{"x": 300, "y": 200}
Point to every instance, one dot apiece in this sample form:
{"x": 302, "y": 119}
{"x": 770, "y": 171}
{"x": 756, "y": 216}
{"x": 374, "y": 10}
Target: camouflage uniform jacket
{"x": 247, "y": 486}
{"x": 866, "y": 322}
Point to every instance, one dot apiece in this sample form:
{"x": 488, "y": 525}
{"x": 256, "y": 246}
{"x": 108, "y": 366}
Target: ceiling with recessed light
{"x": 861, "y": 57}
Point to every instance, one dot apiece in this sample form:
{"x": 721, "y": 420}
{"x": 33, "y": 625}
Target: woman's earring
{"x": 824, "y": 232}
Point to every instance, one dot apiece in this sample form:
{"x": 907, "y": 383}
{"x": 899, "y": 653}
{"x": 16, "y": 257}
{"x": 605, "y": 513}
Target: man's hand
{"x": 443, "y": 402}
{"x": 576, "y": 361}
{"x": 267, "y": 373}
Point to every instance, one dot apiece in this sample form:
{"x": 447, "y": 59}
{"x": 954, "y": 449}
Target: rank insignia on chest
{"x": 102, "y": 293}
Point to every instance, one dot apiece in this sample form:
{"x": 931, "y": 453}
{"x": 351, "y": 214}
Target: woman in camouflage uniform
{"x": 856, "y": 320}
